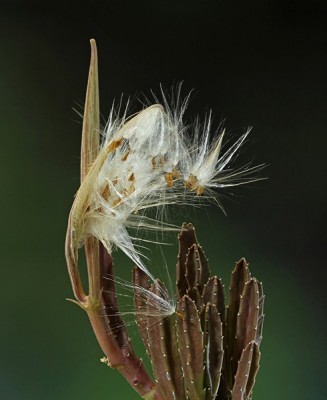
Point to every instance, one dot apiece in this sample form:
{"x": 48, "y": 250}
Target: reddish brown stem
{"x": 111, "y": 332}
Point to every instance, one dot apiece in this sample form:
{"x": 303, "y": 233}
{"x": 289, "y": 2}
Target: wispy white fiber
{"x": 146, "y": 162}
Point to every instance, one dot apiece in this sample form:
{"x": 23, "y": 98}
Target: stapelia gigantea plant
{"x": 204, "y": 350}
{"x": 199, "y": 348}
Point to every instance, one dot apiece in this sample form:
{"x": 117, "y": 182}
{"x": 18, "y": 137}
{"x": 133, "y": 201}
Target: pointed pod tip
{"x": 93, "y": 45}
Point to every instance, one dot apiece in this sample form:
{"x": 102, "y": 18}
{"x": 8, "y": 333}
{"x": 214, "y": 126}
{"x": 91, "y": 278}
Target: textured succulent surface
{"x": 206, "y": 350}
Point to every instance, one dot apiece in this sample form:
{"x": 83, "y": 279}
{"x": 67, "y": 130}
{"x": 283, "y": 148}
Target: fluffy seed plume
{"x": 146, "y": 162}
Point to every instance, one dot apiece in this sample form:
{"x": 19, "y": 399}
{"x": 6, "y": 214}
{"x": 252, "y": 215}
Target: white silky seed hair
{"x": 148, "y": 162}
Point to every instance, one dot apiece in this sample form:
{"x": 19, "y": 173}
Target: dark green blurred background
{"x": 254, "y": 63}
